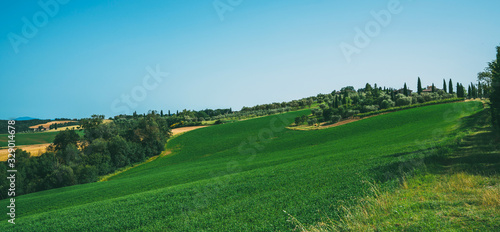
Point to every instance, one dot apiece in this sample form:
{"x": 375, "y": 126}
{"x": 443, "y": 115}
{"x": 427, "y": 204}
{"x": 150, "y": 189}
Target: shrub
{"x": 335, "y": 118}
{"x": 370, "y": 108}
{"x": 387, "y": 104}
{"x": 404, "y": 101}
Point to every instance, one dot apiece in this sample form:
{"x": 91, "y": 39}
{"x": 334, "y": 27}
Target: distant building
{"x": 429, "y": 89}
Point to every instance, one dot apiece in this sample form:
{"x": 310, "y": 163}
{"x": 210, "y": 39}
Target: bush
{"x": 404, "y": 101}
{"x": 335, "y": 118}
{"x": 386, "y": 104}
{"x": 370, "y": 108}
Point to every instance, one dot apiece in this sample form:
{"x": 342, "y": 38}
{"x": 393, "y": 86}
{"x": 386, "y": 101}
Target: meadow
{"x": 31, "y": 138}
{"x": 249, "y": 175}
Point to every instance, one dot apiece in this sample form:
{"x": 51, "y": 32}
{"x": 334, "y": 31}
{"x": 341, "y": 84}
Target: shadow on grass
{"x": 478, "y": 153}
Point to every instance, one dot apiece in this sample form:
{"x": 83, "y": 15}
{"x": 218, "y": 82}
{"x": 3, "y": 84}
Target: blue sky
{"x": 85, "y": 56}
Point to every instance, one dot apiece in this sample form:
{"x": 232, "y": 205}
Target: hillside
{"x": 243, "y": 175}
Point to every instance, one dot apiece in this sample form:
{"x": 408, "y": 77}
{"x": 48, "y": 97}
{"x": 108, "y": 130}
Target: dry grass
{"x": 34, "y": 150}
{"x": 47, "y": 125}
{"x": 181, "y": 130}
{"x": 453, "y": 199}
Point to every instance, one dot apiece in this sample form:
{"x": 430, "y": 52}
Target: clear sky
{"x": 78, "y": 58}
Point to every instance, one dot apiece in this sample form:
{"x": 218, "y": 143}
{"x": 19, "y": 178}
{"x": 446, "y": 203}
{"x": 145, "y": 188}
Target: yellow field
{"x": 35, "y": 150}
{"x": 47, "y": 125}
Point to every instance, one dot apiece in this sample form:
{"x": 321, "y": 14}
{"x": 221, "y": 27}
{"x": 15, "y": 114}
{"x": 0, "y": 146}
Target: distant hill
{"x": 24, "y": 118}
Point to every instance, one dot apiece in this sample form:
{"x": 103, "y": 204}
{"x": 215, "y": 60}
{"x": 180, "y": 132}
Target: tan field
{"x": 47, "y": 125}
{"x": 38, "y": 149}
{"x": 181, "y": 130}
{"x": 75, "y": 127}
{"x": 35, "y": 150}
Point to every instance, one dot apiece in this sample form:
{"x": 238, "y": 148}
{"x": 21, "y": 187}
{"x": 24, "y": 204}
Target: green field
{"x": 31, "y": 138}
{"x": 213, "y": 181}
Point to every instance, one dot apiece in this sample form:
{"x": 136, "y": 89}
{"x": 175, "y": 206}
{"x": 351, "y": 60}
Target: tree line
{"x": 348, "y": 102}
{"x": 489, "y": 80}
{"x": 104, "y": 148}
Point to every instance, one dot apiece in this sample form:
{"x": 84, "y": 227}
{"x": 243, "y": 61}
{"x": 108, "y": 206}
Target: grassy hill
{"x": 31, "y": 138}
{"x": 243, "y": 176}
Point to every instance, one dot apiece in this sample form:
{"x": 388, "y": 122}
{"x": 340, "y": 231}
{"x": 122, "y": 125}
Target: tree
{"x": 300, "y": 120}
{"x": 469, "y": 92}
{"x": 405, "y": 90}
{"x": 64, "y": 138}
{"x": 90, "y": 126}
{"x": 450, "y": 86}
{"x": 495, "y": 91}
{"x": 433, "y": 88}
{"x": 419, "y": 86}
{"x": 444, "y": 86}
{"x": 368, "y": 88}
{"x": 479, "y": 90}
{"x": 335, "y": 118}
{"x": 309, "y": 102}
{"x": 485, "y": 78}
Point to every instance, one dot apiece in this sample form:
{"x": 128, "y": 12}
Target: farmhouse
{"x": 429, "y": 89}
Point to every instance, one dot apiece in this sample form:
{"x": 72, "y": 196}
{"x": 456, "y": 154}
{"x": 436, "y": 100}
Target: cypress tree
{"x": 405, "y": 90}
{"x": 419, "y": 86}
{"x": 444, "y": 85}
{"x": 450, "y": 86}
{"x": 433, "y": 88}
{"x": 479, "y": 90}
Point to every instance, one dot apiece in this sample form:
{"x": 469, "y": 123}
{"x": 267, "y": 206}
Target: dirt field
{"x": 181, "y": 130}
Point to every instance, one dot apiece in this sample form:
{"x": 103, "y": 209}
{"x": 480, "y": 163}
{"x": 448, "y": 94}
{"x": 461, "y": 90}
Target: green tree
{"x": 405, "y": 90}
{"x": 485, "y": 78}
{"x": 450, "y": 86}
{"x": 64, "y": 138}
{"x": 419, "y": 86}
{"x": 90, "y": 126}
{"x": 444, "y": 86}
{"x": 495, "y": 90}
{"x": 479, "y": 90}
{"x": 433, "y": 88}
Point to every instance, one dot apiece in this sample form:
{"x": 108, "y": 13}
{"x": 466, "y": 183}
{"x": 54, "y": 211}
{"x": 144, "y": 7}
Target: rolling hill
{"x": 248, "y": 175}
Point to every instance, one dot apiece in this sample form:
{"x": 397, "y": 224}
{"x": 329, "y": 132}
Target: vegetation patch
{"x": 457, "y": 189}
